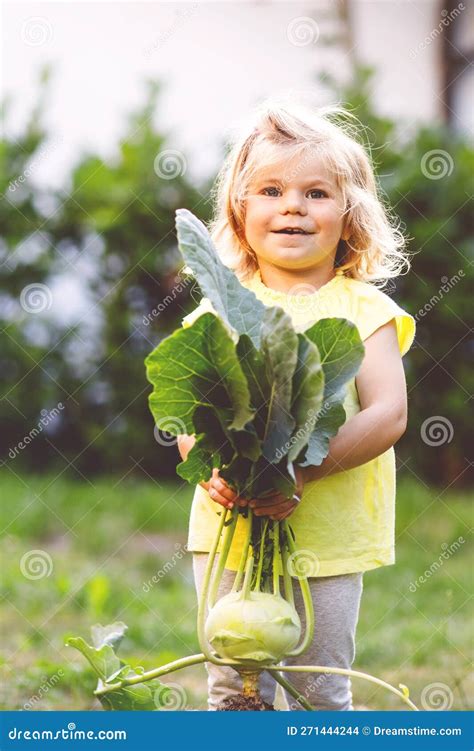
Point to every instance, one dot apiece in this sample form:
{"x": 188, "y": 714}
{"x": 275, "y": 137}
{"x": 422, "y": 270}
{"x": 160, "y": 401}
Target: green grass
{"x": 107, "y": 539}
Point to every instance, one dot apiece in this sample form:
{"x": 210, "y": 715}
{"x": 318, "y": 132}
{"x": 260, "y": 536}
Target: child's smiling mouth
{"x": 292, "y": 231}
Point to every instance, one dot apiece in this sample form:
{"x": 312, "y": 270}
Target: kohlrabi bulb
{"x": 260, "y": 628}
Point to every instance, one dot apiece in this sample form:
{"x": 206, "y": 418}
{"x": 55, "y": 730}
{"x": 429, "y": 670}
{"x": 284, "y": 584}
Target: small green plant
{"x": 260, "y": 399}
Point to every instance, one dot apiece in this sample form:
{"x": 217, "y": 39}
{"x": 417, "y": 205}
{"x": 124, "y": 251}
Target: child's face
{"x": 299, "y": 193}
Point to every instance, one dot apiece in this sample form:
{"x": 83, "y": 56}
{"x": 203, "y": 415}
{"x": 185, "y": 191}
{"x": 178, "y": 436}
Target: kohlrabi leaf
{"x": 196, "y": 366}
{"x": 104, "y": 660}
{"x": 238, "y": 306}
{"x": 341, "y": 351}
{"x": 330, "y": 418}
{"x": 280, "y": 350}
{"x": 139, "y": 697}
{"x": 307, "y": 394}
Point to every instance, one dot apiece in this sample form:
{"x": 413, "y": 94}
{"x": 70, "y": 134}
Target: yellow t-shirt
{"x": 345, "y": 521}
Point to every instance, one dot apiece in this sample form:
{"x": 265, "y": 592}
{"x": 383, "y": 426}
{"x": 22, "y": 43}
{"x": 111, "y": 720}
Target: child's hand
{"x": 277, "y": 506}
{"x": 220, "y": 491}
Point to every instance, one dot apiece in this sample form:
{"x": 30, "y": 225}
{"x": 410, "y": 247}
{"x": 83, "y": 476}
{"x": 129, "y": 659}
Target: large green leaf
{"x": 236, "y": 305}
{"x": 196, "y": 366}
{"x": 329, "y": 420}
{"x": 341, "y": 351}
{"x": 307, "y": 394}
{"x": 280, "y": 351}
{"x": 149, "y": 695}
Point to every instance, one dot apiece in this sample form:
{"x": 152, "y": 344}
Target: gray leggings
{"x": 336, "y": 601}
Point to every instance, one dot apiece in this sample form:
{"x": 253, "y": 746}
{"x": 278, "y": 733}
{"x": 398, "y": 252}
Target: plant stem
{"x": 289, "y": 594}
{"x": 343, "y": 671}
{"x": 276, "y": 558}
{"x": 308, "y": 602}
{"x": 245, "y": 552}
{"x": 217, "y": 575}
{"x": 201, "y": 619}
{"x": 248, "y": 577}
{"x": 170, "y": 667}
{"x": 293, "y": 691}
{"x": 260, "y": 556}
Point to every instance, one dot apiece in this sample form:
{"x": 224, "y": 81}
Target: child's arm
{"x": 383, "y": 399}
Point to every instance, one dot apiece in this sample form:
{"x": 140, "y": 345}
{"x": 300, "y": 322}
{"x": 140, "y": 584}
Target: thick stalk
{"x": 245, "y": 552}
{"x": 201, "y": 619}
{"x": 307, "y": 601}
{"x": 218, "y": 571}
{"x": 170, "y": 667}
{"x": 293, "y": 691}
{"x": 248, "y": 578}
{"x": 260, "y": 557}
{"x": 288, "y": 584}
{"x": 276, "y": 558}
{"x": 343, "y": 671}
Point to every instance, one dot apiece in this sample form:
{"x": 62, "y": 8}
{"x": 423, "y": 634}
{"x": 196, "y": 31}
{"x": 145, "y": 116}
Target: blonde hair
{"x": 279, "y": 131}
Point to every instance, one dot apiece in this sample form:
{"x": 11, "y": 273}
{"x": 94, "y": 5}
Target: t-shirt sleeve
{"x": 205, "y": 306}
{"x": 375, "y": 309}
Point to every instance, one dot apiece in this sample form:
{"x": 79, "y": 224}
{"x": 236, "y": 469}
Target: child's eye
{"x": 320, "y": 193}
{"x": 270, "y": 188}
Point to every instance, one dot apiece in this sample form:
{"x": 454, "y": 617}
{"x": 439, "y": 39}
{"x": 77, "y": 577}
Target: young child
{"x": 300, "y": 221}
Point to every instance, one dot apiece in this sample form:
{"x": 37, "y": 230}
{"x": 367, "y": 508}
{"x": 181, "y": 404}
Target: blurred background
{"x": 113, "y": 116}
